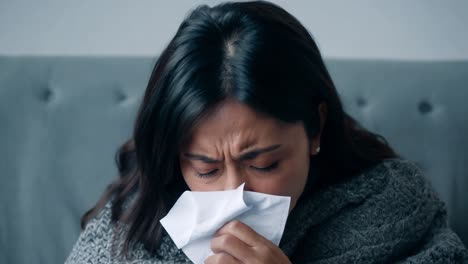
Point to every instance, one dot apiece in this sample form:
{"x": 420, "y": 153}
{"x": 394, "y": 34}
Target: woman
{"x": 241, "y": 94}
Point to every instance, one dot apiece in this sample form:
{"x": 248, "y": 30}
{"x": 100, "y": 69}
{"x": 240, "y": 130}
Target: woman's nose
{"x": 234, "y": 179}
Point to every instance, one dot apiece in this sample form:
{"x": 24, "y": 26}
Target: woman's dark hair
{"x": 256, "y": 53}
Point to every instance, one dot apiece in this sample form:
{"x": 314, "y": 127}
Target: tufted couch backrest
{"x": 63, "y": 118}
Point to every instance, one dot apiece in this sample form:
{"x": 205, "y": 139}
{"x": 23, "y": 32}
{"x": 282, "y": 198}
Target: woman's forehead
{"x": 241, "y": 127}
{"x": 236, "y": 120}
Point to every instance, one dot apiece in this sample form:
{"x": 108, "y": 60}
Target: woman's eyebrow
{"x": 246, "y": 156}
{"x": 255, "y": 152}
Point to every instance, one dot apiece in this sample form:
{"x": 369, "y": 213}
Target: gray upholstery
{"x": 62, "y": 119}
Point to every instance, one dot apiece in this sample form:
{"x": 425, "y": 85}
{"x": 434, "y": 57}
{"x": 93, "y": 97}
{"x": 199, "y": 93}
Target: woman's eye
{"x": 204, "y": 175}
{"x": 267, "y": 169}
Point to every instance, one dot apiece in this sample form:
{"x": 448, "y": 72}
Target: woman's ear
{"x": 315, "y": 143}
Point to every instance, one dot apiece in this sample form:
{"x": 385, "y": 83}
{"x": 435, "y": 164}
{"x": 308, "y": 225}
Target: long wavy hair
{"x": 256, "y": 53}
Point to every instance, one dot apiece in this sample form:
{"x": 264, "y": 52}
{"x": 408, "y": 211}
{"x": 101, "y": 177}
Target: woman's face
{"x": 236, "y": 144}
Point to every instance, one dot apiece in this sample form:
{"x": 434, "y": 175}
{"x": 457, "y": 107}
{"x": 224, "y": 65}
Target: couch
{"x": 62, "y": 119}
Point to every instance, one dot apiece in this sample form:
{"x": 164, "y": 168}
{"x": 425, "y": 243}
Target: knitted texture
{"x": 387, "y": 214}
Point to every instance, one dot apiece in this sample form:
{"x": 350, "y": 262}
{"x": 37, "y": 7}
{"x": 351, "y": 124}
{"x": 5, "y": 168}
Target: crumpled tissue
{"x": 196, "y": 216}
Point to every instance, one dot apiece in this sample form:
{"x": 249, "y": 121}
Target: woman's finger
{"x": 232, "y": 245}
{"x": 244, "y": 233}
{"x": 221, "y": 258}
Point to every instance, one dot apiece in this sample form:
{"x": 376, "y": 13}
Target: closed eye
{"x": 263, "y": 170}
{"x": 208, "y": 174}
{"x": 268, "y": 168}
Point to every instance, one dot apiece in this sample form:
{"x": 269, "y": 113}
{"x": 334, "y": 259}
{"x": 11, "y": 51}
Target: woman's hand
{"x": 236, "y": 242}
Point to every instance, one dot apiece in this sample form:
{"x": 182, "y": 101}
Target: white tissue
{"x": 196, "y": 216}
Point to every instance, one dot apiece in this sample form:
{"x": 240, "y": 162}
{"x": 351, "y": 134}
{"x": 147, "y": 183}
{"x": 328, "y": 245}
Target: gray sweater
{"x": 387, "y": 214}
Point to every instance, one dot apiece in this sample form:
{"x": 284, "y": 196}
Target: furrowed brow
{"x": 245, "y": 156}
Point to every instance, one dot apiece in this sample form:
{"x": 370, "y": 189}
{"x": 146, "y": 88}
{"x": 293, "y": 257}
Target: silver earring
{"x": 317, "y": 150}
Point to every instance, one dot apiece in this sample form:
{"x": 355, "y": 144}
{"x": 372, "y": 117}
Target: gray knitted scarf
{"x": 388, "y": 214}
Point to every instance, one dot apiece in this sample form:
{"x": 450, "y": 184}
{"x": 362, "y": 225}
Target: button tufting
{"x": 425, "y": 107}
{"x": 46, "y": 94}
{"x": 361, "y": 102}
{"x": 121, "y": 96}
